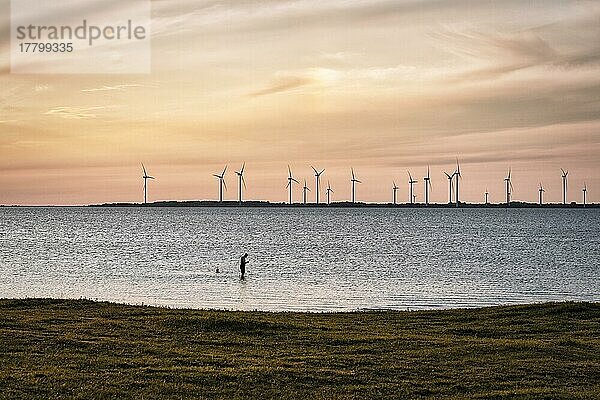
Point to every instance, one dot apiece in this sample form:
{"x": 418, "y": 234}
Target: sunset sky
{"x": 382, "y": 86}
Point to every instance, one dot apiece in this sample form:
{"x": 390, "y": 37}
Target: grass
{"x": 80, "y": 349}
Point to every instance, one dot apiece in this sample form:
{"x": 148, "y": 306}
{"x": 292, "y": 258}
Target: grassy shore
{"x": 82, "y": 349}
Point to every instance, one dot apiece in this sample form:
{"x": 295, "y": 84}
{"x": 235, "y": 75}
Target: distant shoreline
{"x": 267, "y": 204}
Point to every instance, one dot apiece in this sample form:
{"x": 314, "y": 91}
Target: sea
{"x": 301, "y": 259}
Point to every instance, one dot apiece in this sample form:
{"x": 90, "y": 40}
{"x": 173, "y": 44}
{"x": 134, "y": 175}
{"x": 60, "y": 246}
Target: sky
{"x": 382, "y": 86}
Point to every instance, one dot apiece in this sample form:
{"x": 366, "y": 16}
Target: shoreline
{"x": 336, "y": 205}
{"x": 407, "y": 309}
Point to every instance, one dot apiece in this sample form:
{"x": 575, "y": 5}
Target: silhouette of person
{"x": 243, "y": 263}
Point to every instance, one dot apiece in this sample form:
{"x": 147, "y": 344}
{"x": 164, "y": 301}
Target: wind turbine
{"x": 146, "y": 177}
{"x": 241, "y": 181}
{"x": 354, "y": 181}
{"x": 564, "y": 182}
{"x": 508, "y": 187}
{"x": 458, "y": 177}
{"x": 304, "y": 189}
{"x": 427, "y": 180}
{"x": 411, "y": 182}
{"x": 584, "y": 190}
{"x": 541, "y": 190}
{"x": 318, "y": 178}
{"x": 221, "y": 183}
{"x": 394, "y": 189}
{"x": 290, "y": 180}
{"x": 329, "y": 190}
{"x": 486, "y": 197}
{"x": 450, "y": 178}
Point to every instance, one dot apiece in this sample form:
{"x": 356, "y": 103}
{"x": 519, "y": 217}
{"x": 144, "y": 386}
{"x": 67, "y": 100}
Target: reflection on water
{"x": 301, "y": 259}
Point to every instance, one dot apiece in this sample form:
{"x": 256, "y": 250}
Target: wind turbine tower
{"x": 508, "y": 188}
{"x": 458, "y": 177}
{"x": 290, "y": 182}
{"x": 304, "y": 190}
{"x": 146, "y": 177}
{"x": 564, "y": 182}
{"x": 221, "y": 183}
{"x": 394, "y": 190}
{"x": 584, "y": 190}
{"x": 541, "y": 190}
{"x": 241, "y": 181}
{"x": 411, "y": 182}
{"x": 486, "y": 197}
{"x": 450, "y": 178}
{"x": 318, "y": 178}
{"x": 329, "y": 190}
{"x": 427, "y": 180}
{"x": 354, "y": 181}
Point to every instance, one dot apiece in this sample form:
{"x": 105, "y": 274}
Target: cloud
{"x": 284, "y": 84}
{"x": 340, "y": 56}
{"x": 74, "y": 112}
{"x": 326, "y": 77}
{"x": 110, "y": 88}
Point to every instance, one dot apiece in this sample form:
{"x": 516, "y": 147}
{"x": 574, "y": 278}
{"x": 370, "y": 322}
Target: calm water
{"x": 301, "y": 259}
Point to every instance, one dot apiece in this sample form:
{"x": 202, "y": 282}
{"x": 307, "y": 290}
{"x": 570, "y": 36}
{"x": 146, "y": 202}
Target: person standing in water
{"x": 243, "y": 263}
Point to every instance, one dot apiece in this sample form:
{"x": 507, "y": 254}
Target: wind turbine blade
{"x": 224, "y": 184}
{"x": 224, "y": 169}
{"x": 295, "y": 180}
{"x": 289, "y": 171}
{"x": 144, "y": 168}
{"x": 243, "y": 166}
{"x": 449, "y": 177}
{"x": 357, "y": 181}
{"x": 244, "y": 182}
{"x": 314, "y": 170}
{"x": 217, "y": 176}
{"x": 150, "y": 177}
{"x": 352, "y": 169}
{"x": 289, "y": 183}
{"x": 323, "y": 170}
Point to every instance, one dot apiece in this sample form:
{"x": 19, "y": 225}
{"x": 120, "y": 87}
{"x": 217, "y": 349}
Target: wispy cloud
{"x": 284, "y": 84}
{"x": 74, "y": 112}
{"x": 111, "y": 88}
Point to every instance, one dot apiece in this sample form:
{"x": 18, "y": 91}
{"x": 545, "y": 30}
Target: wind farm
{"x": 453, "y": 193}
